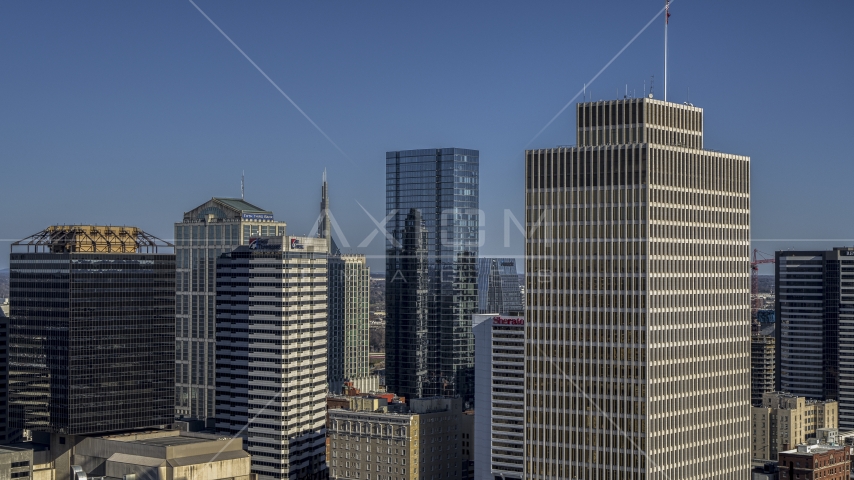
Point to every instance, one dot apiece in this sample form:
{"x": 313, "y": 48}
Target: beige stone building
{"x": 785, "y": 421}
{"x": 144, "y": 455}
{"x": 638, "y": 321}
{"x": 423, "y": 443}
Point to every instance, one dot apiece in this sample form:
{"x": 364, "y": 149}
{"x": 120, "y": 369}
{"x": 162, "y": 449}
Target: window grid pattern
{"x": 638, "y": 319}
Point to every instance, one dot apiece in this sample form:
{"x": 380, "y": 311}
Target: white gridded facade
{"x": 499, "y": 396}
{"x": 271, "y": 356}
{"x": 638, "y": 334}
{"x": 349, "y": 285}
{"x": 207, "y": 232}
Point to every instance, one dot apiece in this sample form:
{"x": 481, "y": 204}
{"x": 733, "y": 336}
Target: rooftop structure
{"x": 784, "y": 420}
{"x": 90, "y": 239}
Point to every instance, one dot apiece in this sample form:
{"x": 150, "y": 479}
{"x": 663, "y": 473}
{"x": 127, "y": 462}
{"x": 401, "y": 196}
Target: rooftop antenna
{"x": 242, "y": 191}
{"x": 585, "y": 92}
{"x": 651, "y": 87}
{"x": 688, "y": 95}
{"x": 627, "y": 91}
{"x": 666, "y": 22}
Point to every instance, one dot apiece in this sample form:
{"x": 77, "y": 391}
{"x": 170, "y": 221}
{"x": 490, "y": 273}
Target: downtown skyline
{"x": 167, "y": 111}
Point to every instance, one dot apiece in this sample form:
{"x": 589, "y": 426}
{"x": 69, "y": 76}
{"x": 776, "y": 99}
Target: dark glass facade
{"x": 498, "y": 287}
{"x": 406, "y": 326}
{"x": 815, "y": 326}
{"x": 442, "y": 184}
{"x": 92, "y": 341}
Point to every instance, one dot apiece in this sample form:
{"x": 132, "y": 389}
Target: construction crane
{"x": 758, "y": 259}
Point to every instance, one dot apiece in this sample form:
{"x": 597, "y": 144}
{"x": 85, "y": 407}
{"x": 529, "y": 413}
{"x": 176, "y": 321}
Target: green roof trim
{"x": 240, "y": 205}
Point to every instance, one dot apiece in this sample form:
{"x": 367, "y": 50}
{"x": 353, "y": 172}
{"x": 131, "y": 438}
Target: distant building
{"x": 92, "y": 331}
{"x": 762, "y": 365}
{"x": 827, "y": 462}
{"x": 442, "y": 184}
{"x": 271, "y": 354}
{"x": 370, "y": 442}
{"x": 815, "y": 314}
{"x": 498, "y": 287}
{"x": 349, "y": 302}
{"x": 215, "y": 227}
{"x": 499, "y": 409}
{"x": 784, "y": 421}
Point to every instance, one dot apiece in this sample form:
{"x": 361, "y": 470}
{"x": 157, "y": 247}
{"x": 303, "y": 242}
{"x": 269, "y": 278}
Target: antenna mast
{"x": 666, "y": 22}
{"x": 242, "y": 178}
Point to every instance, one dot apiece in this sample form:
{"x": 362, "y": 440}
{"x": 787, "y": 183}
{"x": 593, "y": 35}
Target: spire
{"x": 324, "y": 227}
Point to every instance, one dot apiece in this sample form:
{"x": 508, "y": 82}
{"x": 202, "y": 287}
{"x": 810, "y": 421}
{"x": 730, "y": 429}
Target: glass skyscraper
{"x": 92, "y": 331}
{"x": 215, "y": 227}
{"x": 498, "y": 286}
{"x": 442, "y": 184}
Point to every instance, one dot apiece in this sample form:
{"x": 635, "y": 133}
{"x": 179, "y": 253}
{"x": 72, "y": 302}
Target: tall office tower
{"x": 7, "y": 434}
{"x": 498, "y": 286}
{"x": 349, "y": 299}
{"x": 92, "y": 334}
{"x": 443, "y": 185}
{"x": 271, "y": 354}
{"x": 499, "y": 396}
{"x": 638, "y": 319}
{"x": 215, "y": 227}
{"x": 407, "y": 348}
{"x": 815, "y": 320}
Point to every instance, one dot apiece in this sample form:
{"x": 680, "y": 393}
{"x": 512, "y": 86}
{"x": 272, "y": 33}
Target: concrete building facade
{"x": 499, "y": 432}
{"x": 784, "y": 421}
{"x": 762, "y": 366}
{"x": 271, "y": 353}
{"x": 815, "y": 325}
{"x": 215, "y": 227}
{"x": 638, "y": 308}
{"x": 423, "y": 443}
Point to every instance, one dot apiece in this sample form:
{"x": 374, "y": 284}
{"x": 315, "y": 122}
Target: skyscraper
{"x": 349, "y": 299}
{"x": 92, "y": 337}
{"x": 499, "y": 422}
{"x": 498, "y": 288}
{"x": 638, "y": 319}
{"x": 815, "y": 322}
{"x": 407, "y": 348}
{"x": 271, "y": 354}
{"x": 7, "y": 434}
{"x": 442, "y": 184}
{"x": 215, "y": 227}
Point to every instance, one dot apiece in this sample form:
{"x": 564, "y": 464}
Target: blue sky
{"x": 132, "y": 113}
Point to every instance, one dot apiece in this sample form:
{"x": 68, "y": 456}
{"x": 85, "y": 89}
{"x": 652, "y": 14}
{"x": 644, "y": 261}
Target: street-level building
{"x": 422, "y": 443}
{"x": 816, "y": 461}
{"x": 638, "y": 308}
{"x": 206, "y": 232}
{"x": 271, "y": 353}
{"x": 499, "y": 409}
{"x": 784, "y": 420}
{"x": 814, "y": 325}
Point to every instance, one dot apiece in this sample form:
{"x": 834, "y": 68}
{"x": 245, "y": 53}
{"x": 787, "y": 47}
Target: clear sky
{"x": 134, "y": 112}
